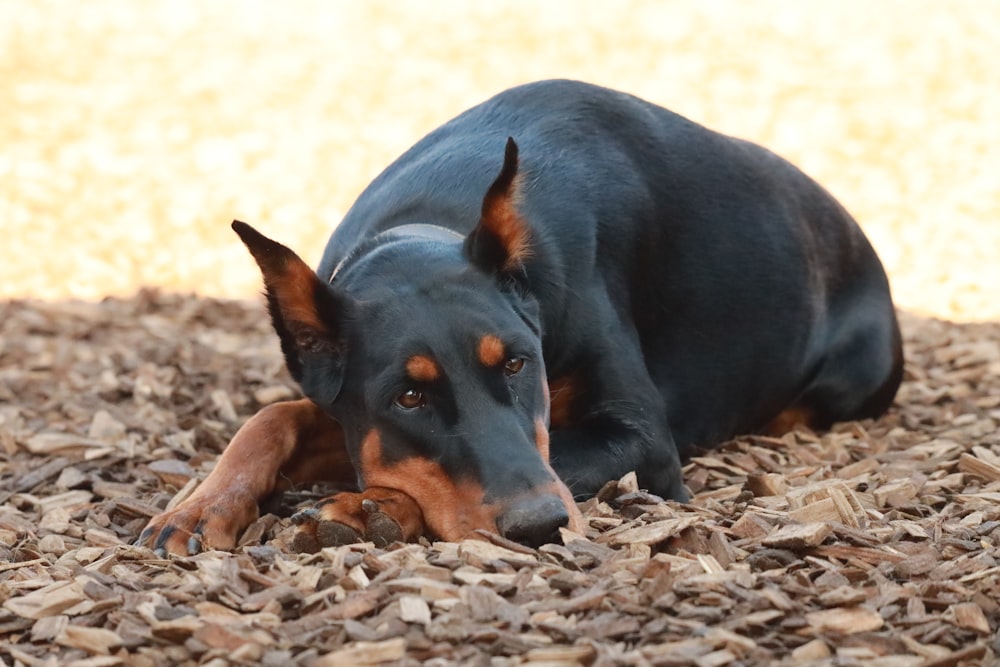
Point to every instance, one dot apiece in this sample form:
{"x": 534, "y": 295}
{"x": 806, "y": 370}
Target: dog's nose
{"x": 535, "y": 521}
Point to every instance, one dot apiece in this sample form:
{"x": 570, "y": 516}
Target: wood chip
{"x": 554, "y": 655}
{"x": 844, "y": 621}
{"x": 766, "y": 484}
{"x": 365, "y": 653}
{"x": 172, "y": 472}
{"x": 798, "y": 536}
{"x": 273, "y": 394}
{"x": 751, "y": 526}
{"x": 652, "y": 533}
{"x": 812, "y": 650}
{"x": 959, "y": 657}
{"x": 91, "y": 640}
{"x": 822, "y": 511}
{"x": 895, "y": 494}
{"x": 413, "y": 609}
{"x": 51, "y": 443}
{"x": 974, "y": 466}
{"x": 970, "y": 616}
{"x": 917, "y": 564}
{"x": 47, "y": 601}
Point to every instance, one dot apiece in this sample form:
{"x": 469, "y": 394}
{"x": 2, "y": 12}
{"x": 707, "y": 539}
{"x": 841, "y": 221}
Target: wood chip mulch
{"x": 875, "y": 544}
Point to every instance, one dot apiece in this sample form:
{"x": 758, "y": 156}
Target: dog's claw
{"x": 143, "y": 537}
{"x": 305, "y": 516}
{"x": 160, "y": 543}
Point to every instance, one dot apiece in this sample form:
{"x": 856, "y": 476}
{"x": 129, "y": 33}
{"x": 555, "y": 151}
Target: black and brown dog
{"x": 476, "y": 350}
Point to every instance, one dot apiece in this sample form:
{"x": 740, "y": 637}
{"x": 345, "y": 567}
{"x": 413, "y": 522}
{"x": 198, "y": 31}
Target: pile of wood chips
{"x": 877, "y": 543}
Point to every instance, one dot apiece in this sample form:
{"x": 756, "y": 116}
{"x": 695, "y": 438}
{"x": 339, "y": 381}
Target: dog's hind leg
{"x": 613, "y": 422}
{"x": 861, "y": 368}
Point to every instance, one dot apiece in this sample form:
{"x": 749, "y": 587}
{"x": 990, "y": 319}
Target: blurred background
{"x": 133, "y": 132}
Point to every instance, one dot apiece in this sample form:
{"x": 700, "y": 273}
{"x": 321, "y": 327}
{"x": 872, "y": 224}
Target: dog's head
{"x": 427, "y": 349}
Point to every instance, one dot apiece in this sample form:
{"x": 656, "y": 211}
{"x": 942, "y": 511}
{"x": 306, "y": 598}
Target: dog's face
{"x": 428, "y": 353}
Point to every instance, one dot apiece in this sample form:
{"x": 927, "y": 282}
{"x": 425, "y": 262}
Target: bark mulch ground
{"x": 877, "y": 543}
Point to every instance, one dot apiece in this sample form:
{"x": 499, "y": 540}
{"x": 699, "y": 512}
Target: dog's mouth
{"x": 530, "y": 519}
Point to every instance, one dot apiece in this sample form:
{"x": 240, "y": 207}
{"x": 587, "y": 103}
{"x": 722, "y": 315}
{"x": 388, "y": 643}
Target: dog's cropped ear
{"x": 307, "y": 315}
{"x": 501, "y": 242}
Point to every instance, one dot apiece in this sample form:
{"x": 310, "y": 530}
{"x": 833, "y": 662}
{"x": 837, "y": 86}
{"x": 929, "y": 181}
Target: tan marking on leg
{"x": 562, "y": 392}
{"x": 491, "y": 351}
{"x": 320, "y": 455}
{"x": 788, "y": 419}
{"x": 422, "y": 368}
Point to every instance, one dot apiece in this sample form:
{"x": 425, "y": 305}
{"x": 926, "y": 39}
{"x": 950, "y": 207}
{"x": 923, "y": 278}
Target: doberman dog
{"x": 478, "y": 350}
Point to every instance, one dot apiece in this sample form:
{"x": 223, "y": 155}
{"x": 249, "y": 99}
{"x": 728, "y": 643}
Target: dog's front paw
{"x": 377, "y": 514}
{"x": 200, "y": 523}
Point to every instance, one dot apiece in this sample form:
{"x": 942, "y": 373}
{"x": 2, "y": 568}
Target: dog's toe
{"x": 336, "y": 534}
{"x": 383, "y": 530}
{"x": 305, "y": 542}
{"x": 314, "y": 532}
{"x": 378, "y": 515}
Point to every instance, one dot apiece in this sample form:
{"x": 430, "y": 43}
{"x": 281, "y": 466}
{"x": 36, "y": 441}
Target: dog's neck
{"x": 412, "y": 231}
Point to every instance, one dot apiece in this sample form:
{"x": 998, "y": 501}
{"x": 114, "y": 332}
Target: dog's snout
{"x": 534, "y": 521}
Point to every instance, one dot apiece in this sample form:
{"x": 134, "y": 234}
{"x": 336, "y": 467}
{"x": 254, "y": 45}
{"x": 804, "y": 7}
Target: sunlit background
{"x": 131, "y": 133}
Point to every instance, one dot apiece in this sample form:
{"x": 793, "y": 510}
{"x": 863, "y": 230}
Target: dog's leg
{"x": 283, "y": 445}
{"x": 613, "y": 440}
{"x": 609, "y": 420}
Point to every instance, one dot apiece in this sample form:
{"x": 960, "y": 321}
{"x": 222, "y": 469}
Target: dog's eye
{"x": 410, "y": 399}
{"x": 513, "y": 366}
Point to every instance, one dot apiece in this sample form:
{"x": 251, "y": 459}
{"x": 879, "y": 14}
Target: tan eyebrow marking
{"x": 422, "y": 368}
{"x": 491, "y": 350}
